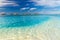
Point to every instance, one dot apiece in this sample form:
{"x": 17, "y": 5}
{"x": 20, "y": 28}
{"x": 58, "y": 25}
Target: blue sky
{"x": 40, "y": 6}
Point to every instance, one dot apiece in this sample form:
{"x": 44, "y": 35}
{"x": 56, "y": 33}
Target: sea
{"x": 21, "y": 21}
{"x": 39, "y": 27}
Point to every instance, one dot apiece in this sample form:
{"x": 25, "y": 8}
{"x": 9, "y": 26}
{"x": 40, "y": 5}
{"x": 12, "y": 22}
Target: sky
{"x": 29, "y": 6}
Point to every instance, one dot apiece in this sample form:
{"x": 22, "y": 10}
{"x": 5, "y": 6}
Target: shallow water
{"x": 41, "y": 28}
{"x": 17, "y": 21}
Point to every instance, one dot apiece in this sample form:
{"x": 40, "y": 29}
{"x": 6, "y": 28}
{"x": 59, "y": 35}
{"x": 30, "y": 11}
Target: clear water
{"x": 18, "y": 21}
{"x": 26, "y": 28}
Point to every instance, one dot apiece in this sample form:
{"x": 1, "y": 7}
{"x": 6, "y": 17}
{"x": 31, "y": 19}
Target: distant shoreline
{"x": 30, "y": 15}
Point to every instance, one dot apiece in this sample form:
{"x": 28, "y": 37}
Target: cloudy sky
{"x": 41, "y": 6}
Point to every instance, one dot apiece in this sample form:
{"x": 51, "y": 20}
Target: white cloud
{"x": 49, "y": 12}
{"x": 50, "y": 3}
{"x": 2, "y": 12}
{"x": 24, "y": 8}
{"x": 5, "y": 2}
{"x": 31, "y": 9}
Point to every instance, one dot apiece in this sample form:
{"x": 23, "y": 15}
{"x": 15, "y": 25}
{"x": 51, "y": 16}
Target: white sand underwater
{"x": 49, "y": 30}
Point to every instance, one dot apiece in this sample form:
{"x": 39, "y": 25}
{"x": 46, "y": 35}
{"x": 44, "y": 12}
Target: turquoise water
{"x": 21, "y": 21}
{"x": 30, "y": 27}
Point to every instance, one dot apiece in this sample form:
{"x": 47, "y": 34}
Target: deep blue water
{"x": 21, "y": 21}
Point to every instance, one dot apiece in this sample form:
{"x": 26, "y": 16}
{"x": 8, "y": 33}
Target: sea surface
{"x": 42, "y": 27}
{"x": 21, "y": 21}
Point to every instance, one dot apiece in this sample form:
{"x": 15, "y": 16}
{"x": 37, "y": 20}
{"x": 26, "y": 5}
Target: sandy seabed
{"x": 49, "y": 30}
